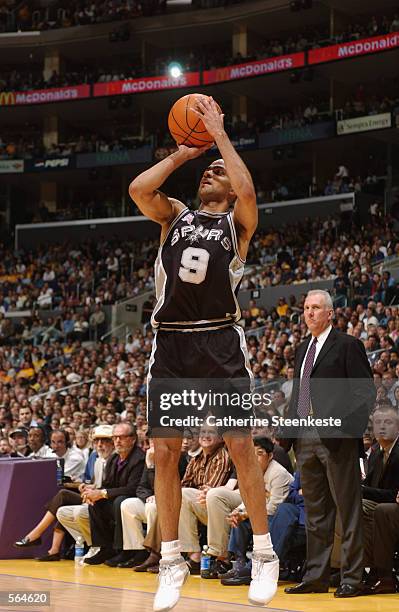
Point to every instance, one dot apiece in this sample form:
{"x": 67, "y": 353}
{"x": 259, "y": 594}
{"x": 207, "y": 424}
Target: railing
{"x": 77, "y": 384}
{"x": 113, "y": 331}
{"x": 257, "y": 332}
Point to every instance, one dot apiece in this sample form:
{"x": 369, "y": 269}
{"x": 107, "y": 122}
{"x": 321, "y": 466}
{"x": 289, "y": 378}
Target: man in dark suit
{"x": 122, "y": 475}
{"x": 380, "y": 507}
{"x": 333, "y": 380}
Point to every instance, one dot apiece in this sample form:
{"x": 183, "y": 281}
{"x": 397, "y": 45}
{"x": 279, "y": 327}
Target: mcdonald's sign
{"x": 7, "y": 98}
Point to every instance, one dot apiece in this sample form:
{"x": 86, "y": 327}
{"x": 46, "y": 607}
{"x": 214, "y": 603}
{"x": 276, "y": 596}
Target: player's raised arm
{"x": 144, "y": 189}
{"x": 245, "y": 209}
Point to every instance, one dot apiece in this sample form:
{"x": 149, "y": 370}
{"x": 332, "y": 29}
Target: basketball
{"x": 185, "y": 126}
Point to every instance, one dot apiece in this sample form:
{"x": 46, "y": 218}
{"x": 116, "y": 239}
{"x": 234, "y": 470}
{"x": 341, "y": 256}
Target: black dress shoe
{"x": 151, "y": 561}
{"x": 121, "y": 557}
{"x": 25, "y": 542}
{"x": 102, "y": 555}
{"x": 233, "y": 572}
{"x": 194, "y": 567}
{"x": 137, "y": 559}
{"x": 239, "y": 577}
{"x": 48, "y": 557}
{"x": 347, "y": 590}
{"x": 306, "y": 587}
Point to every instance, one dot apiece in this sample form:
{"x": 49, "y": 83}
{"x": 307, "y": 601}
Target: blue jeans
{"x": 283, "y": 528}
{"x": 241, "y": 537}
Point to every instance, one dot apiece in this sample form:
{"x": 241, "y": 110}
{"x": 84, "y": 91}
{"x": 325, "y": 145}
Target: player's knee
{"x": 167, "y": 453}
{"x": 240, "y": 449}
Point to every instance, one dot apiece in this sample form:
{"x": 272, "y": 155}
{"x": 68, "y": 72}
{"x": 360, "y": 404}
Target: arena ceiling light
{"x": 175, "y": 70}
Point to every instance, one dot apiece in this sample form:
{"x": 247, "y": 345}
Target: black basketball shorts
{"x": 197, "y": 376}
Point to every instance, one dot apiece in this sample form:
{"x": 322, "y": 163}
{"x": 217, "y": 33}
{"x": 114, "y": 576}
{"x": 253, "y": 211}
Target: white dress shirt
{"x": 74, "y": 463}
{"x": 43, "y": 452}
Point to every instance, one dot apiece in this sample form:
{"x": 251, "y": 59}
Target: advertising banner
{"x": 11, "y": 166}
{"x": 364, "y": 124}
{"x": 52, "y": 163}
{"x": 303, "y": 133}
{"x": 355, "y": 48}
{"x": 145, "y": 84}
{"x": 251, "y": 69}
{"x": 114, "y": 158}
{"x": 44, "y": 96}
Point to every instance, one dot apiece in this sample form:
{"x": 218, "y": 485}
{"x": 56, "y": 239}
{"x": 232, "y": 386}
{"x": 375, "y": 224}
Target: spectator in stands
{"x": 5, "y": 447}
{"x": 209, "y": 469}
{"x": 123, "y": 475}
{"x": 75, "y": 518}
{"x": 288, "y": 529}
{"x": 277, "y": 482}
{"x": 380, "y": 491}
{"x": 19, "y": 442}
{"x": 74, "y": 462}
{"x": 97, "y": 321}
{"x": 67, "y": 497}
{"x": 36, "y": 441}
{"x": 26, "y": 419}
{"x": 138, "y": 510}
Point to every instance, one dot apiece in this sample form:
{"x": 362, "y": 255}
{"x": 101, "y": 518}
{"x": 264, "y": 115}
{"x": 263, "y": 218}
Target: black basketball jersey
{"x": 198, "y": 272}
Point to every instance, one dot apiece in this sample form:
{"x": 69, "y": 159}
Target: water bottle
{"x": 59, "y": 474}
{"x": 205, "y": 563}
{"x": 79, "y": 550}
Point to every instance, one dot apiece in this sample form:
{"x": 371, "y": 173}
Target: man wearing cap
{"x": 122, "y": 476}
{"x": 75, "y": 518}
{"x": 19, "y": 442}
{"x": 71, "y": 500}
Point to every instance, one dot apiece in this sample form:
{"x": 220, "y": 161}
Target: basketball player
{"x": 198, "y": 270}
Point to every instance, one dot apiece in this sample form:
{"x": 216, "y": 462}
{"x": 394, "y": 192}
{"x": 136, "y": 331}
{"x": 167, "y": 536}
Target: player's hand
{"x": 193, "y": 152}
{"x": 208, "y": 111}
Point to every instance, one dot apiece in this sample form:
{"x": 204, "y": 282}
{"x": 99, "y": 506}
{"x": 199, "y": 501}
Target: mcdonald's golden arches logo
{"x": 7, "y": 98}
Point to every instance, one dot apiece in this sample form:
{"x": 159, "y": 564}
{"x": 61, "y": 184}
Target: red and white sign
{"x": 145, "y": 84}
{"x": 251, "y": 69}
{"x": 376, "y": 44}
{"x": 44, "y": 96}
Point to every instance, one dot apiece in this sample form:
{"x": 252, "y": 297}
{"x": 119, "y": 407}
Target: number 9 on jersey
{"x": 194, "y": 265}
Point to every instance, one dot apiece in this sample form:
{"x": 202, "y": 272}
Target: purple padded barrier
{"x": 26, "y": 485}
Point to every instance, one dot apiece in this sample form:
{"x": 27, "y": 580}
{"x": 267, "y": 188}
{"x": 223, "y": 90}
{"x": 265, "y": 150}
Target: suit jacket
{"x": 125, "y": 480}
{"x": 382, "y": 482}
{"x": 341, "y": 386}
{"x": 146, "y": 486}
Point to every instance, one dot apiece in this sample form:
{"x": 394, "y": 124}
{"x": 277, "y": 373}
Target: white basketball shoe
{"x": 172, "y": 575}
{"x": 264, "y": 578}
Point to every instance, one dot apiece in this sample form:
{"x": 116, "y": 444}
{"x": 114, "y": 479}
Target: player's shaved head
{"x": 218, "y": 162}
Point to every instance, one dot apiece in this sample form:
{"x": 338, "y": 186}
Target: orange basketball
{"x": 185, "y": 126}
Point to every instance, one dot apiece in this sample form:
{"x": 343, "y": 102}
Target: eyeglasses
{"x": 122, "y": 436}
